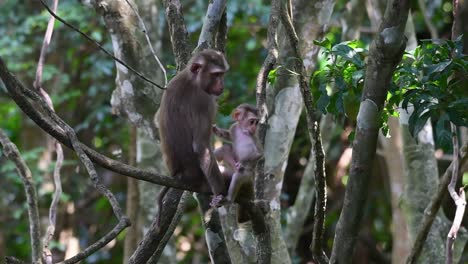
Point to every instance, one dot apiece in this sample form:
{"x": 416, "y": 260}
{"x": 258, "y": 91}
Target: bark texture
{"x": 385, "y": 53}
{"x": 421, "y": 183}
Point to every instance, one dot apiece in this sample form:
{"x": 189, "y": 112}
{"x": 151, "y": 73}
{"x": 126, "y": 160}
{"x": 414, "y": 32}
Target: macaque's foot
{"x": 239, "y": 167}
{"x": 217, "y": 201}
{"x": 214, "y": 129}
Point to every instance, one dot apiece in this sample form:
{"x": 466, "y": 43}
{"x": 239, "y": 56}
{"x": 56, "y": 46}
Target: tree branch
{"x": 211, "y": 24}
{"x": 123, "y": 220}
{"x": 314, "y": 135}
{"x": 221, "y": 35}
{"x": 433, "y": 207}
{"x": 51, "y": 124}
{"x": 47, "y": 254}
{"x": 385, "y": 53}
{"x": 12, "y": 153}
{"x": 178, "y": 32}
{"x": 459, "y": 199}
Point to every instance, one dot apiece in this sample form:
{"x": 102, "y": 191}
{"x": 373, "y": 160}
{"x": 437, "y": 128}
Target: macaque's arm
{"x": 222, "y": 133}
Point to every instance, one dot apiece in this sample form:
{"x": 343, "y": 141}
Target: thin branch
{"x": 53, "y": 206}
{"x": 45, "y": 45}
{"x": 262, "y": 78}
{"x": 171, "y": 227}
{"x": 268, "y": 65}
{"x": 148, "y": 40}
{"x": 123, "y": 220}
{"x": 433, "y": 207}
{"x": 259, "y": 223}
{"x": 178, "y": 32}
{"x": 46, "y": 253}
{"x": 11, "y": 152}
{"x": 314, "y": 135}
{"x": 51, "y": 124}
{"x": 13, "y": 260}
{"x": 100, "y": 47}
{"x": 458, "y": 199}
{"x": 159, "y": 229}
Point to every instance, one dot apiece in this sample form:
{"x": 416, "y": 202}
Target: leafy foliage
{"x": 431, "y": 81}
{"x": 338, "y": 85}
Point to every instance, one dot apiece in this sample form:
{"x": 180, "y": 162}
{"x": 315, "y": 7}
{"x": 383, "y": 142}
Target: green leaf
{"x": 444, "y": 136}
{"x": 444, "y": 139}
{"x": 407, "y": 96}
{"x": 357, "y": 77}
{"x": 462, "y": 103}
{"x": 348, "y": 54}
{"x": 272, "y": 75}
{"x": 457, "y": 117}
{"x": 322, "y": 102}
{"x": 340, "y": 83}
{"x": 325, "y": 43}
{"x": 437, "y": 68}
{"x": 418, "y": 123}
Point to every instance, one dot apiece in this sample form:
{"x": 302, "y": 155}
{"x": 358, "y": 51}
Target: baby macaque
{"x": 242, "y": 154}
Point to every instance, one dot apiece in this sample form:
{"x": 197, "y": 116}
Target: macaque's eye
{"x": 253, "y": 122}
{"x": 217, "y": 74}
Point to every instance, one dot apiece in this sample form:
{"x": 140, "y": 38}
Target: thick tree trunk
{"x": 421, "y": 182}
{"x": 384, "y": 55}
{"x": 286, "y": 108}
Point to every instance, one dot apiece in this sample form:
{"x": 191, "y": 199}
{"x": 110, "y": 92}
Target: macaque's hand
{"x": 217, "y": 201}
{"x": 215, "y": 129}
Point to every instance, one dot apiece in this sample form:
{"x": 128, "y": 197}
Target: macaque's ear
{"x": 195, "y": 67}
{"x": 236, "y": 114}
{"x": 197, "y": 64}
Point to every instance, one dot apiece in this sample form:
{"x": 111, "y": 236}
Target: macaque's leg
{"x": 211, "y": 171}
{"x": 238, "y": 179}
{"x": 213, "y": 176}
{"x": 226, "y": 154}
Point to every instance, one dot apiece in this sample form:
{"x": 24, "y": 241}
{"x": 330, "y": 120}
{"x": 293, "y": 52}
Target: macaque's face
{"x": 216, "y": 82}
{"x": 249, "y": 121}
{"x": 208, "y": 72}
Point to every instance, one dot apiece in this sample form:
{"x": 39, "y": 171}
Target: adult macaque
{"x": 242, "y": 155}
{"x": 185, "y": 119}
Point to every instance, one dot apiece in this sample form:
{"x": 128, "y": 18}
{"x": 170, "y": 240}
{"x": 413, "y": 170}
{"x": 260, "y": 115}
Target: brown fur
{"x": 187, "y": 111}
